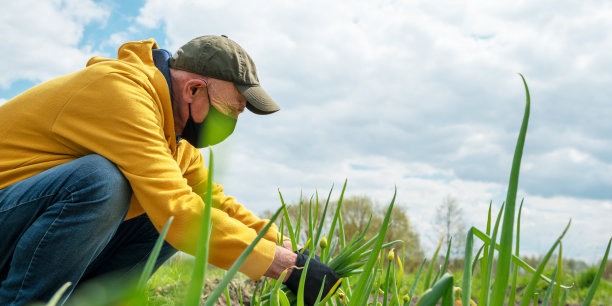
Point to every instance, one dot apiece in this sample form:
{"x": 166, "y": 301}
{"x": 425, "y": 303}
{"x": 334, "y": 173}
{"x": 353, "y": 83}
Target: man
{"x": 92, "y": 165}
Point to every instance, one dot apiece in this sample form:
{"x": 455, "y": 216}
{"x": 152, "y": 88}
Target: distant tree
{"x": 574, "y": 266}
{"x": 402, "y": 229}
{"x": 356, "y": 212}
{"x": 293, "y": 209}
{"x": 448, "y": 221}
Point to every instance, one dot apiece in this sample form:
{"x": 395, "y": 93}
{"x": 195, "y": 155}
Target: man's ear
{"x": 193, "y": 88}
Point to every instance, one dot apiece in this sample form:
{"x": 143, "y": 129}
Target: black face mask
{"x": 192, "y": 130}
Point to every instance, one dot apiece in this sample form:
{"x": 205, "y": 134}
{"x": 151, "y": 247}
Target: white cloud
{"x": 410, "y": 87}
{"x": 41, "y": 38}
{"x": 563, "y": 167}
{"x": 546, "y": 218}
{"x": 117, "y": 39}
{"x": 421, "y": 188}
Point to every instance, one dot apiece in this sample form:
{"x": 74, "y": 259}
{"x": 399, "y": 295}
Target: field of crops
{"x": 372, "y": 270}
{"x": 168, "y": 286}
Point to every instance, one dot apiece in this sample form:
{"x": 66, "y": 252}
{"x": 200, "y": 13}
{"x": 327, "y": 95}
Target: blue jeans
{"x": 66, "y": 225}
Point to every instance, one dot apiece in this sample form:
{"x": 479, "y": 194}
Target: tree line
{"x": 357, "y": 211}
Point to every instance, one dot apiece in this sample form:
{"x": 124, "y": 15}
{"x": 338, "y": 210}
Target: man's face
{"x": 195, "y": 94}
{"x": 224, "y": 96}
{"x": 198, "y": 95}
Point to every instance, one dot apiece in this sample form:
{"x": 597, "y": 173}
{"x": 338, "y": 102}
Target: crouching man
{"x": 94, "y": 163}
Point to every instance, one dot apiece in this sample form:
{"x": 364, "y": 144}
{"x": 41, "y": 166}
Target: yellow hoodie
{"x": 121, "y": 109}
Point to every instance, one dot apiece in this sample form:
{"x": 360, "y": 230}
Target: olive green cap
{"x": 221, "y": 58}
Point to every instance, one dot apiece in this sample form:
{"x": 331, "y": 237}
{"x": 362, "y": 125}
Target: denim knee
{"x": 100, "y": 181}
{"x": 55, "y": 234}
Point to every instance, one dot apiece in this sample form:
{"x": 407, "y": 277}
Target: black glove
{"x": 305, "y": 252}
{"x": 314, "y": 278}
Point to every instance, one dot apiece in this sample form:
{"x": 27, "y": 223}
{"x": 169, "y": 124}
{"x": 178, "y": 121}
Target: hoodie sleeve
{"x": 197, "y": 176}
{"x": 118, "y": 115}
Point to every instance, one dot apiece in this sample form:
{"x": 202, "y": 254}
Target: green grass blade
{"x": 332, "y": 292}
{"x": 505, "y": 251}
{"x": 438, "y": 290}
{"x": 563, "y": 298}
{"x": 58, "y": 294}
{"x": 332, "y": 228}
{"x": 477, "y": 257}
{"x": 593, "y": 288}
{"x": 322, "y": 220}
{"x": 394, "y": 286}
{"x": 438, "y": 273}
{"x": 257, "y": 292}
{"x": 288, "y": 221}
{"x": 341, "y": 237}
{"x": 450, "y": 242}
{"x": 281, "y": 232}
{"x": 512, "y": 299}
{"x": 240, "y": 295}
{"x": 432, "y": 263}
{"x": 311, "y": 221}
{"x": 298, "y": 227}
{"x": 330, "y": 251}
{"x": 282, "y": 298}
{"x": 360, "y": 293}
{"x": 346, "y": 284}
{"x": 528, "y": 293}
{"x": 238, "y": 263}
{"x": 447, "y": 298}
{"x": 353, "y": 252}
{"x": 318, "y": 299}
{"x": 400, "y": 265}
{"x": 227, "y": 297}
{"x": 316, "y": 211}
{"x": 148, "y": 269}
{"x": 557, "y": 290}
{"x": 201, "y": 260}
{"x": 372, "y": 279}
{"x": 489, "y": 218}
{"x": 275, "y": 298}
{"x": 387, "y": 280}
{"x": 482, "y": 236}
{"x": 550, "y": 287}
{"x": 466, "y": 290}
{"x": 416, "y": 280}
{"x": 300, "y": 293}
{"x": 362, "y": 254}
{"x": 485, "y": 292}
{"x": 483, "y": 263}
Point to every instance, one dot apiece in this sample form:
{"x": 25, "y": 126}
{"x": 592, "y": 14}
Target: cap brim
{"x": 258, "y": 101}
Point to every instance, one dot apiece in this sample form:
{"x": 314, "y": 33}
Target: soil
{"x": 236, "y": 288}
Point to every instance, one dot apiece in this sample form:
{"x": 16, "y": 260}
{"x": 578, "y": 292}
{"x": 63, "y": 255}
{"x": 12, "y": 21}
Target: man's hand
{"x": 317, "y": 272}
{"x": 287, "y": 245}
{"x": 284, "y": 259}
{"x": 301, "y": 249}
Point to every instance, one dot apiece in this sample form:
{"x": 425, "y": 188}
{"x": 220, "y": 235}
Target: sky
{"x": 424, "y": 96}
